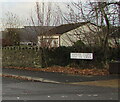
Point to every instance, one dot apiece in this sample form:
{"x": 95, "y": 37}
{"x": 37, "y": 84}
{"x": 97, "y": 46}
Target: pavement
{"x": 51, "y": 77}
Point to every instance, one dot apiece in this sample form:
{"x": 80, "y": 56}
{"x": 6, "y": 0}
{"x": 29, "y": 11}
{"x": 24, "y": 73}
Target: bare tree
{"x": 104, "y": 15}
{"x": 43, "y": 19}
{"x": 11, "y": 21}
{"x": 108, "y": 15}
{"x": 86, "y": 30}
{"x": 11, "y": 24}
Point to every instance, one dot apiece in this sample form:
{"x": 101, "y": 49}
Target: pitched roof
{"x": 38, "y": 29}
{"x": 64, "y": 28}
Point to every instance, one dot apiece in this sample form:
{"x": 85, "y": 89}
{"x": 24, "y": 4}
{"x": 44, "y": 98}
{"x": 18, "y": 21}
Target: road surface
{"x": 14, "y": 89}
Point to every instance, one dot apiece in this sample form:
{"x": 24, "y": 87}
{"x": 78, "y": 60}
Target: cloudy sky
{"x": 23, "y": 8}
{"x": 22, "y": 5}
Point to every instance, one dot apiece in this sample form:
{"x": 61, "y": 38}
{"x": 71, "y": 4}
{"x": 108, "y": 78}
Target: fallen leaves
{"x": 16, "y": 77}
{"x": 67, "y": 70}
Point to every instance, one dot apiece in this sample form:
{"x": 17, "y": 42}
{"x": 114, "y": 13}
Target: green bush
{"x": 58, "y": 56}
{"x": 34, "y": 57}
{"x": 21, "y": 57}
{"x": 114, "y": 54}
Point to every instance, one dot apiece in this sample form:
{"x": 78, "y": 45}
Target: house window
{"x": 49, "y": 41}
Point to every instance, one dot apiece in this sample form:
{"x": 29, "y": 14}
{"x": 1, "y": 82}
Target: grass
{"x": 104, "y": 83}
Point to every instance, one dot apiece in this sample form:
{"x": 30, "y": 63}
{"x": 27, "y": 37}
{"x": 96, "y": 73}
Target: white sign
{"x": 81, "y": 55}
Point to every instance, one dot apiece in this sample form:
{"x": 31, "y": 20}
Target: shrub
{"x": 31, "y": 57}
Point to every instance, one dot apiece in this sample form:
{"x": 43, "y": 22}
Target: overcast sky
{"x": 19, "y": 8}
{"x": 23, "y": 8}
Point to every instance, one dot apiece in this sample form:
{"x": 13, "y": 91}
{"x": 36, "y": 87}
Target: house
{"x": 68, "y": 34}
{"x": 25, "y": 36}
{"x": 29, "y": 34}
{"x": 63, "y": 35}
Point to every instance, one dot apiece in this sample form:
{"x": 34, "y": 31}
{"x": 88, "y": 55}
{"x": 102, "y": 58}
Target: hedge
{"x": 35, "y": 57}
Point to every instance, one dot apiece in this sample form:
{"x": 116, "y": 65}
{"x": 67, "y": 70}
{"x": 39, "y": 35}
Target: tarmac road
{"x": 59, "y": 77}
{"x": 15, "y": 89}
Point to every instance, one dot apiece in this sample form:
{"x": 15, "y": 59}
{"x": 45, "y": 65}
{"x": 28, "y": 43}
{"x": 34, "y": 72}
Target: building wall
{"x": 85, "y": 33}
{"x": 112, "y": 42}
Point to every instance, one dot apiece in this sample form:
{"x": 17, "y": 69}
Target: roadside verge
{"x": 28, "y": 78}
{"x": 113, "y": 83}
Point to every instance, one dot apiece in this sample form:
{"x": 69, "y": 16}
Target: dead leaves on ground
{"x": 16, "y": 77}
{"x": 67, "y": 70}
